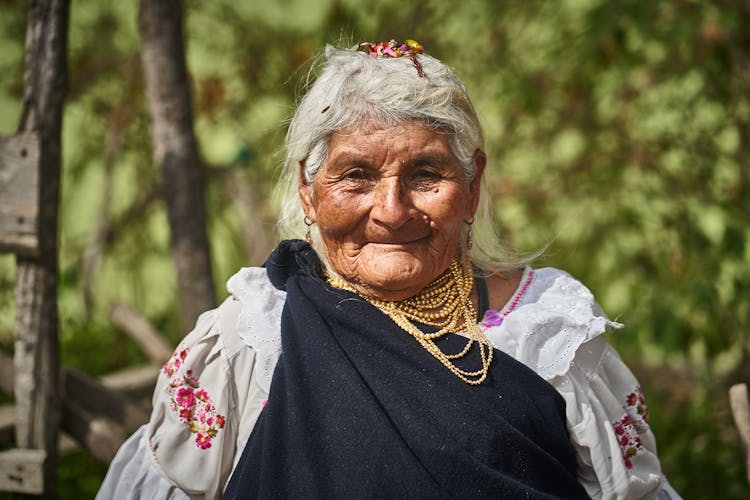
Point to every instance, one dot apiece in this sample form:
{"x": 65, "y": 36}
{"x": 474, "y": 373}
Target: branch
{"x": 100, "y": 436}
{"x": 156, "y": 348}
{"x": 91, "y": 395}
{"x": 136, "y": 382}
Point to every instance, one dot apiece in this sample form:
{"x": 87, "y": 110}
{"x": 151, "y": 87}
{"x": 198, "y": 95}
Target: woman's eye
{"x": 356, "y": 175}
{"x": 425, "y": 174}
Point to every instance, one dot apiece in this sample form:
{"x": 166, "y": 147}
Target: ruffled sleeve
{"x": 556, "y": 329}
{"x": 206, "y": 401}
{"x": 608, "y": 423}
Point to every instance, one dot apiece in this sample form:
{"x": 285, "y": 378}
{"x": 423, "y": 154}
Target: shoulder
{"x": 211, "y": 391}
{"x": 547, "y": 320}
{"x": 554, "y": 325}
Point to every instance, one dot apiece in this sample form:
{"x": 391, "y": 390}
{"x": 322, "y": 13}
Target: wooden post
{"x": 22, "y": 471}
{"x": 738, "y": 400}
{"x": 19, "y": 193}
{"x": 36, "y": 346}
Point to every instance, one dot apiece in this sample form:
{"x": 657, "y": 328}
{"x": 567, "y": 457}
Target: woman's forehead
{"x": 404, "y": 136}
{"x": 390, "y": 147}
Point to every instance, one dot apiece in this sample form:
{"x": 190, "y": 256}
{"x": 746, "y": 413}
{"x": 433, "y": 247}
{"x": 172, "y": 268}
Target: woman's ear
{"x": 480, "y": 161}
{"x": 305, "y": 193}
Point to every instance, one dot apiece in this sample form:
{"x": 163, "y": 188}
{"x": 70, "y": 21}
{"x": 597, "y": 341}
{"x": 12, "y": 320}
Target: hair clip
{"x": 393, "y": 48}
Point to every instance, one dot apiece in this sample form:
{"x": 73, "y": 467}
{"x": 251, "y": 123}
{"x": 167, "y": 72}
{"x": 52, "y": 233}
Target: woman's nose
{"x": 391, "y": 204}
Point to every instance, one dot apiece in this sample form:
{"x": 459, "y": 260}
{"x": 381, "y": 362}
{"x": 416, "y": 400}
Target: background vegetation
{"x": 619, "y": 132}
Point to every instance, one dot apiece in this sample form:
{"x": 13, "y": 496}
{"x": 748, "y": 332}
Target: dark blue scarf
{"x": 358, "y": 409}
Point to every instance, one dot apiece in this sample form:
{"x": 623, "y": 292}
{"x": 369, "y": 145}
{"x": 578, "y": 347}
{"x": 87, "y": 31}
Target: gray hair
{"x": 355, "y": 89}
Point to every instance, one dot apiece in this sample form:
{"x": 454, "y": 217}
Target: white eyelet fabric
{"x": 259, "y": 321}
{"x": 554, "y": 317}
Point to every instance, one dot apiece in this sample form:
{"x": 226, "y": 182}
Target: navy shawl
{"x": 358, "y": 409}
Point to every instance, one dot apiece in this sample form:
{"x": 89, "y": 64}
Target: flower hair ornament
{"x": 409, "y": 48}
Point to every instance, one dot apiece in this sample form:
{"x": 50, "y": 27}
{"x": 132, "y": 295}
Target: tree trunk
{"x": 36, "y": 347}
{"x": 176, "y": 152}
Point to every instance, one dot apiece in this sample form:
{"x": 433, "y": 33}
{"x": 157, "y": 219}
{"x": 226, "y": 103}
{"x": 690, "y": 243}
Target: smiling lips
{"x": 401, "y": 236}
{"x": 398, "y": 241}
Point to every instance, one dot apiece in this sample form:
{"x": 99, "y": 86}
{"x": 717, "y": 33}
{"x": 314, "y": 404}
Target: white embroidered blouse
{"x": 211, "y": 392}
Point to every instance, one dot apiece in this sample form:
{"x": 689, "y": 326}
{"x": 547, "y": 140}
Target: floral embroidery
{"x": 175, "y": 361}
{"x": 192, "y": 404}
{"x": 631, "y": 425}
{"x": 637, "y": 409}
{"x": 627, "y": 438}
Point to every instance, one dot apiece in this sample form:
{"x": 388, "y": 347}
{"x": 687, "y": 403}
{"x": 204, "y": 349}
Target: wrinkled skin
{"x": 390, "y": 204}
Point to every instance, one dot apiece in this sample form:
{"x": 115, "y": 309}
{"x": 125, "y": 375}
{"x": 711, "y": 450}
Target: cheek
{"x": 446, "y": 208}
{"x": 338, "y": 213}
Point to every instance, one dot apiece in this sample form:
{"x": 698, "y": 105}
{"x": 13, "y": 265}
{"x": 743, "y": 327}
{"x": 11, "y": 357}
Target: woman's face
{"x": 390, "y": 204}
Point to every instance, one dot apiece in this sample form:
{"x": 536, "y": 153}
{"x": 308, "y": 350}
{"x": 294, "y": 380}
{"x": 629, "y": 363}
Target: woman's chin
{"x": 396, "y": 277}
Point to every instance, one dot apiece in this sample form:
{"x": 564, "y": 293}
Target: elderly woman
{"x": 399, "y": 352}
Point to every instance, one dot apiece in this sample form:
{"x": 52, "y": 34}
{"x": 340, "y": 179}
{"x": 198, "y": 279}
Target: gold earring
{"x": 469, "y": 239}
{"x": 308, "y": 236}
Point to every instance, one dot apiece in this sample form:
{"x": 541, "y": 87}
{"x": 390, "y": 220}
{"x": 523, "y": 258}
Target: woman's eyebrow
{"x": 356, "y": 158}
{"x": 348, "y": 158}
{"x": 429, "y": 157}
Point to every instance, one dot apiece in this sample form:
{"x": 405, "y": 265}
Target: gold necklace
{"x": 446, "y": 304}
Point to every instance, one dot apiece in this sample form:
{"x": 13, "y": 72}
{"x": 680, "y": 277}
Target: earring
{"x": 469, "y": 239}
{"x": 308, "y": 223}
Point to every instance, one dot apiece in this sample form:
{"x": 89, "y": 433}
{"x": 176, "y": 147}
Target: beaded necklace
{"x": 444, "y": 303}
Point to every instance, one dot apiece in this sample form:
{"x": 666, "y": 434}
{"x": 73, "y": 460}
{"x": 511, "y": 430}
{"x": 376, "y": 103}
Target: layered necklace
{"x": 446, "y": 304}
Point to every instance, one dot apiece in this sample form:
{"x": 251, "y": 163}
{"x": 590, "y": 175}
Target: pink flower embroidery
{"x": 177, "y": 359}
{"x": 185, "y": 397}
{"x": 220, "y": 421}
{"x": 192, "y": 404}
{"x": 203, "y": 441}
{"x": 631, "y": 425}
{"x": 185, "y": 416}
{"x": 627, "y": 438}
{"x": 637, "y": 409}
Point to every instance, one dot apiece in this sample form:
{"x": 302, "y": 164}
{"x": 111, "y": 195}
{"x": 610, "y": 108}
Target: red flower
{"x": 220, "y": 421}
{"x": 185, "y": 397}
{"x": 203, "y": 441}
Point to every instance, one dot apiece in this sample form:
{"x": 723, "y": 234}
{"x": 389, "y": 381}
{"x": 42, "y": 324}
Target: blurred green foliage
{"x": 618, "y": 132}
